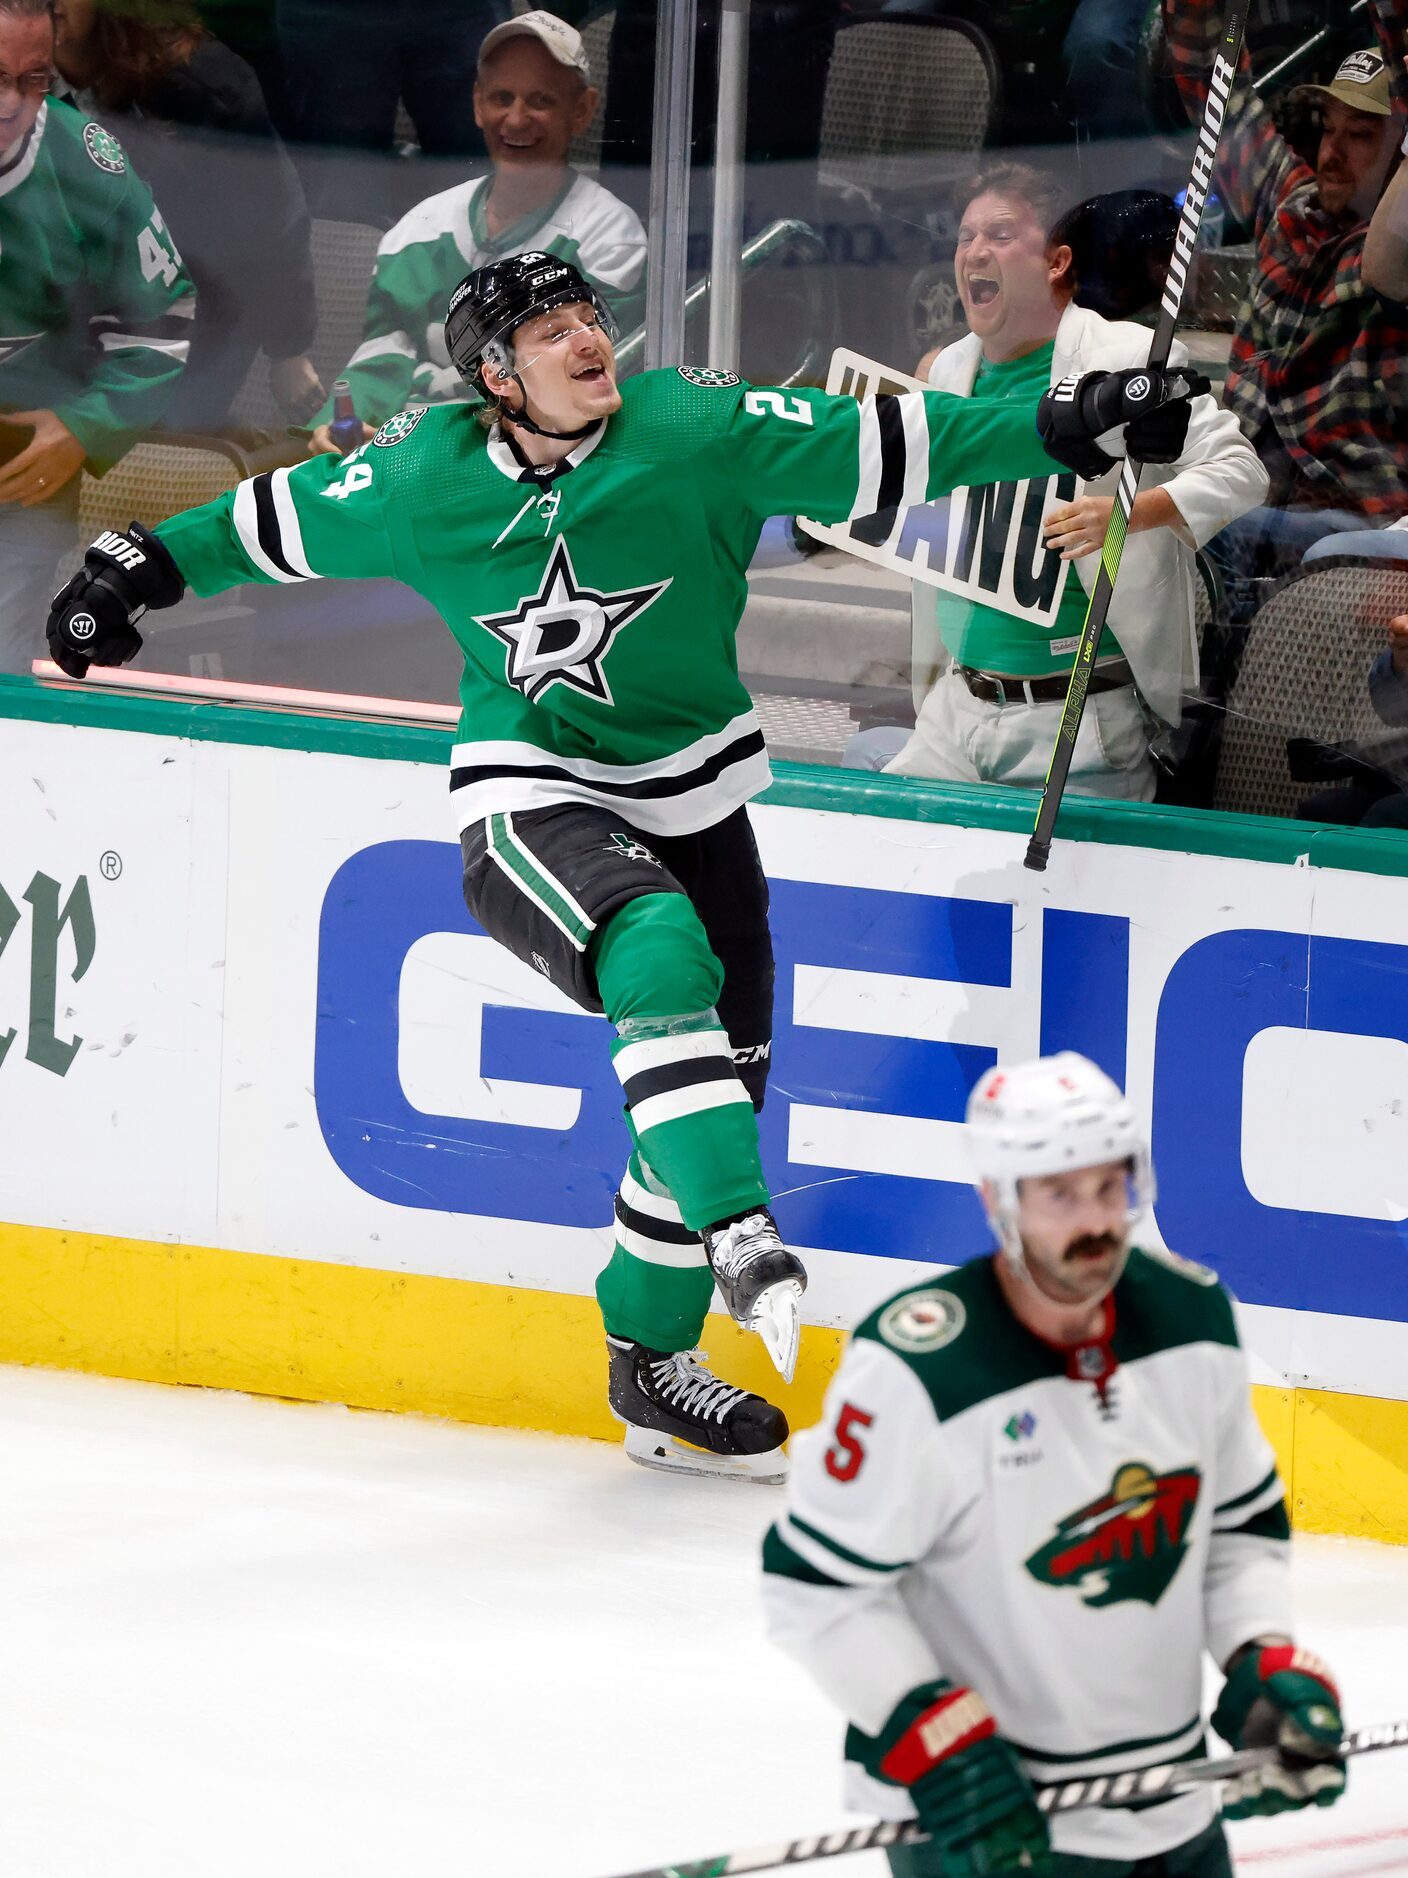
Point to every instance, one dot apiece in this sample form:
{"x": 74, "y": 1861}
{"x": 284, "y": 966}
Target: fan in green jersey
{"x": 533, "y": 96}
{"x": 587, "y": 546}
{"x": 1037, "y": 1495}
{"x": 95, "y": 317}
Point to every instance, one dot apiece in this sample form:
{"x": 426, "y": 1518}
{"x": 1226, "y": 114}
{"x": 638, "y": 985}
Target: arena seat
{"x": 156, "y": 479}
{"x": 1304, "y": 676}
{"x": 900, "y": 96}
{"x": 344, "y": 255}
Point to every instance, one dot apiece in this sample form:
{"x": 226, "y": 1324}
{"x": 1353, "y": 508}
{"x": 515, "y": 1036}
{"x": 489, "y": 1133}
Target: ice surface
{"x": 256, "y": 1638}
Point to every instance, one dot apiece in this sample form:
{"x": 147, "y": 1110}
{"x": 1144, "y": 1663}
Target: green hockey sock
{"x": 691, "y": 1117}
{"x": 656, "y": 1287}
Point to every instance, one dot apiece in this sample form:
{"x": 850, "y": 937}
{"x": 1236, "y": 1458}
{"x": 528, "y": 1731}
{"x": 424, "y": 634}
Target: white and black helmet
{"x": 1052, "y": 1115}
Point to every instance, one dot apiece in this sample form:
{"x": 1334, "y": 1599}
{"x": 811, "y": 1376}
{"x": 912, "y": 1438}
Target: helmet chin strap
{"x": 522, "y": 421}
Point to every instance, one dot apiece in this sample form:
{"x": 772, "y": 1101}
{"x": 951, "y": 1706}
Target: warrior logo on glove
{"x": 93, "y": 619}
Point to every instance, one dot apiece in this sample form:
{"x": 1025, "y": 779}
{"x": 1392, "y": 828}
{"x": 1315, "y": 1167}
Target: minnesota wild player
{"x": 587, "y": 545}
{"x": 1037, "y": 1495}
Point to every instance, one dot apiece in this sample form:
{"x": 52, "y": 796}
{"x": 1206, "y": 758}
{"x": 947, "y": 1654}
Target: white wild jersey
{"x": 968, "y": 1508}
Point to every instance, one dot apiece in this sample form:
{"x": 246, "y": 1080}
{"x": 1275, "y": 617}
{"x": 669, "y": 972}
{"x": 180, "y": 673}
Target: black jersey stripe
{"x": 647, "y": 788}
{"x": 667, "y": 1077}
{"x": 651, "y": 1226}
{"x": 267, "y": 522}
{"x": 894, "y": 451}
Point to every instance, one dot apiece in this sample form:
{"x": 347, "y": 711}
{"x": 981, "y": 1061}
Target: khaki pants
{"x": 960, "y": 738}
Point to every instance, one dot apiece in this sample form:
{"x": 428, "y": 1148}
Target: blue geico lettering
{"x": 1223, "y": 992}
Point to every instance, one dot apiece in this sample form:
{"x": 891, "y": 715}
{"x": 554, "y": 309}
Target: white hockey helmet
{"x": 1050, "y": 1116}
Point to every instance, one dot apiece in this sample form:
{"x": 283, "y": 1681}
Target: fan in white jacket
{"x": 994, "y": 644}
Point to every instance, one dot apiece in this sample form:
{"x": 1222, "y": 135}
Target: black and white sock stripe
{"x": 668, "y": 1078}
{"x": 266, "y": 522}
{"x": 894, "y": 453}
{"x": 649, "y": 1227}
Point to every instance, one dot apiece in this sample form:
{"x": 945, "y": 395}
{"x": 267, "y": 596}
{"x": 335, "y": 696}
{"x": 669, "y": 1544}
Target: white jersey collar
{"x": 501, "y": 455}
{"x": 20, "y": 158}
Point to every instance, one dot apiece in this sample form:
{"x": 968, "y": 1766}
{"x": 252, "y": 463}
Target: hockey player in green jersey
{"x": 1037, "y": 1495}
{"x": 587, "y": 546}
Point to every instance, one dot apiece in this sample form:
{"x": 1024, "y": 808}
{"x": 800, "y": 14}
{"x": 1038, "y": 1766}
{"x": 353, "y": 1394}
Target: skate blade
{"x": 648, "y": 1448}
{"x": 777, "y": 1320}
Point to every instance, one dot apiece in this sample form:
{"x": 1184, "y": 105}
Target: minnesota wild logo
{"x": 104, "y": 149}
{"x": 1126, "y": 1546}
{"x": 397, "y": 429}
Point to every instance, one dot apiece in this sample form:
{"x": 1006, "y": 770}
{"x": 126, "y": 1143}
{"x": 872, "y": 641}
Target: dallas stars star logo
{"x": 397, "y": 429}
{"x": 560, "y": 634}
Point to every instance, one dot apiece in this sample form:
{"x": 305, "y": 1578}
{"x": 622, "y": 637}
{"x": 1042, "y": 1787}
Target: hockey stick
{"x": 1224, "y": 70}
{"x": 1132, "y": 1789}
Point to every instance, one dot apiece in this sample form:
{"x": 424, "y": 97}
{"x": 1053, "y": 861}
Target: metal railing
{"x": 768, "y": 242}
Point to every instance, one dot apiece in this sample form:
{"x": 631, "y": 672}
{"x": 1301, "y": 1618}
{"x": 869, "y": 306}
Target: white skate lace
{"x": 681, "y": 1381}
{"x": 756, "y": 1235}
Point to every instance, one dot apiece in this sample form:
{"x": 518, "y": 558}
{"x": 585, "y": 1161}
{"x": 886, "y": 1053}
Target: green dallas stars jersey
{"x": 95, "y": 306}
{"x": 597, "y": 605}
{"x": 966, "y": 1508}
{"x": 403, "y": 359}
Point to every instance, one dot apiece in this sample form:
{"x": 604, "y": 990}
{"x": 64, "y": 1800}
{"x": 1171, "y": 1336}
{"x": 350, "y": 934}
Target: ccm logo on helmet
{"x": 121, "y": 549}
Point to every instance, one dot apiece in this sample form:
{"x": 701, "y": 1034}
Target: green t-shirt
{"x": 986, "y": 637}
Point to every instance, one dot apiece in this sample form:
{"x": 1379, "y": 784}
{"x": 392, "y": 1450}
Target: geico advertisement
{"x": 242, "y": 1003}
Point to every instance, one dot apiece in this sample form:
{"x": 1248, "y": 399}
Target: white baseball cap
{"x": 564, "y": 42}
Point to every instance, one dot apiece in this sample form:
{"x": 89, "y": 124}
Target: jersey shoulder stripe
{"x": 442, "y": 217}
{"x": 958, "y": 1335}
{"x": 603, "y": 227}
{"x": 1164, "y": 1302}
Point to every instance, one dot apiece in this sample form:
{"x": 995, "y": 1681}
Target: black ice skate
{"x": 680, "y": 1417}
{"x": 760, "y": 1282}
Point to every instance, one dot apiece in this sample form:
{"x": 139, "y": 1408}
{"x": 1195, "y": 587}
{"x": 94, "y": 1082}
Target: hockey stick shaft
{"x": 1130, "y": 1789}
{"x": 1224, "y": 71}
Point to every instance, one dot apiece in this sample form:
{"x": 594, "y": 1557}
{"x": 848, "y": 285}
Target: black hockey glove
{"x": 93, "y": 620}
{"x": 1154, "y": 406}
{"x": 972, "y": 1798}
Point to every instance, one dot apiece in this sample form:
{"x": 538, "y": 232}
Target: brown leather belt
{"x": 992, "y": 688}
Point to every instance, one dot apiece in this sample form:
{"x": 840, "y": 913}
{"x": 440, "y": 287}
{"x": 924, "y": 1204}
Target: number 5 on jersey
{"x": 845, "y": 1457}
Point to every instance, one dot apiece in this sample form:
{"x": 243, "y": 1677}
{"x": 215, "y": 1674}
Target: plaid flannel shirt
{"x": 1319, "y": 366}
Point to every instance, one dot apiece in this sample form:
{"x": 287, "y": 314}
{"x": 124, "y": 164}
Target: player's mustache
{"x": 1091, "y": 1243}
